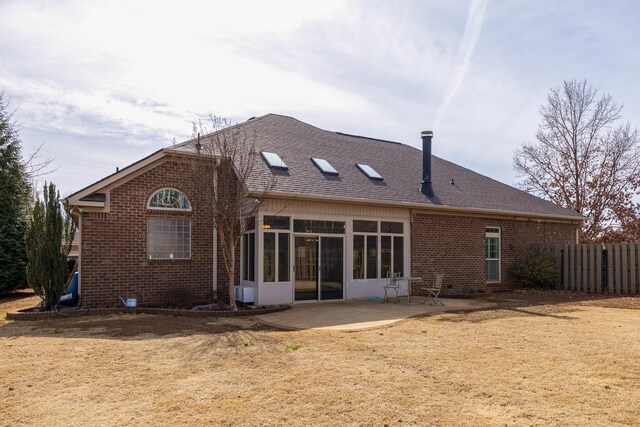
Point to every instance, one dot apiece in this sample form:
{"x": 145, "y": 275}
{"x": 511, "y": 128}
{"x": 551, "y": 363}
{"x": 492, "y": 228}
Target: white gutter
{"x": 422, "y": 207}
{"x": 88, "y": 204}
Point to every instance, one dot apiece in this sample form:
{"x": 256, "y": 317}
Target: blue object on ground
{"x": 376, "y": 299}
{"x": 73, "y": 286}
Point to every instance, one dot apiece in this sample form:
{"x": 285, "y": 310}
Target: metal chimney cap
{"x": 427, "y": 133}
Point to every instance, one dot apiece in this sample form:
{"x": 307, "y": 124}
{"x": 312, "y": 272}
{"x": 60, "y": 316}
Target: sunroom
{"x": 289, "y": 256}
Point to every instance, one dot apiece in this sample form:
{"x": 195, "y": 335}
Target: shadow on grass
{"x": 543, "y": 303}
{"x": 16, "y": 296}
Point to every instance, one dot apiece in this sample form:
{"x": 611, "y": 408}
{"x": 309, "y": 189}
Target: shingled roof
{"x": 400, "y": 165}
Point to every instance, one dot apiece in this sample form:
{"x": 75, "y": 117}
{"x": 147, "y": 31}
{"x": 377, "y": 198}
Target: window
{"x": 365, "y": 226}
{"x": 398, "y": 255}
{"x": 391, "y": 255}
{"x": 169, "y": 198}
{"x": 369, "y": 172}
{"x": 372, "y": 248}
{"x": 391, "y": 227}
{"x": 269, "y": 257}
{"x": 275, "y": 261}
{"x": 358, "y": 257}
{"x": 372, "y": 257}
{"x": 250, "y": 223}
{"x": 276, "y": 223}
{"x": 283, "y": 257}
{"x": 168, "y": 238}
{"x": 492, "y": 263}
{"x": 274, "y": 160}
{"x": 385, "y": 255}
{"x": 324, "y": 166}
{"x": 248, "y": 256}
{"x": 316, "y": 226}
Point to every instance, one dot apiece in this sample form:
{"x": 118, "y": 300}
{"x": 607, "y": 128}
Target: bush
{"x": 47, "y": 269}
{"x": 536, "y": 268}
{"x": 182, "y": 297}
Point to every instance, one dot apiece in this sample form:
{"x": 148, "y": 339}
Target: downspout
{"x": 215, "y": 230}
{"x": 215, "y": 261}
{"x": 79, "y": 266}
{"x": 409, "y": 235}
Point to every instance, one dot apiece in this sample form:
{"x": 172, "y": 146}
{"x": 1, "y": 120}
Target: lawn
{"x": 534, "y": 359}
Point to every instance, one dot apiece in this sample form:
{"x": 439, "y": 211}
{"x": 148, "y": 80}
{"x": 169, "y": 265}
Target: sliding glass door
{"x": 306, "y": 268}
{"x": 319, "y": 268}
{"x": 331, "y": 268}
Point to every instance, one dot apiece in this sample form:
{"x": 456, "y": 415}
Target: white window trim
{"x": 364, "y": 258}
{"x": 276, "y": 263}
{"x": 148, "y": 206}
{"x": 256, "y": 264}
{"x": 379, "y": 234}
{"x": 488, "y": 234}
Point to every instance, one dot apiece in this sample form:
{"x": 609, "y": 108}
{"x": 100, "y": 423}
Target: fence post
{"x": 579, "y": 251}
{"x": 614, "y": 269}
{"x": 565, "y": 270}
{"x": 607, "y": 261}
{"x": 635, "y": 265}
{"x": 599, "y": 267}
{"x": 557, "y": 251}
{"x": 590, "y": 282}
{"x": 625, "y": 272}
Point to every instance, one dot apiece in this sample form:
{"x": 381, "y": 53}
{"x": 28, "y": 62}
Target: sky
{"x": 100, "y": 85}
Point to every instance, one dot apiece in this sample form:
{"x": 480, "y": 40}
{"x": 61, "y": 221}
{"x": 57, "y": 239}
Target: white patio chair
{"x": 433, "y": 292}
{"x": 393, "y": 284}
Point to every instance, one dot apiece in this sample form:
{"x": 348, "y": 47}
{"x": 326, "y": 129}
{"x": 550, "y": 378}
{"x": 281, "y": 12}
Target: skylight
{"x": 324, "y": 166}
{"x": 369, "y": 172}
{"x": 274, "y": 160}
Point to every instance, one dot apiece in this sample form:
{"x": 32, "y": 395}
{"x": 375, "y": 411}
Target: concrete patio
{"x": 357, "y": 315}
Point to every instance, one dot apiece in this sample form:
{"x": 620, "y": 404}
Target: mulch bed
{"x": 30, "y": 314}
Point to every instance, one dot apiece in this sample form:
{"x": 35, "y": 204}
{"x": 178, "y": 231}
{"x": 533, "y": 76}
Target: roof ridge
{"x": 264, "y": 116}
{"x": 252, "y": 119}
{"x": 367, "y": 137}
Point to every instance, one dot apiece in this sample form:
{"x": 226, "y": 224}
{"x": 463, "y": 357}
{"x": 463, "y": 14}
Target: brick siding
{"x": 455, "y": 246}
{"x": 115, "y": 260}
{"x": 114, "y": 246}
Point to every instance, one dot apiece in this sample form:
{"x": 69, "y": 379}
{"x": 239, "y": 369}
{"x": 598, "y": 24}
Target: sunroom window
{"x": 376, "y": 250}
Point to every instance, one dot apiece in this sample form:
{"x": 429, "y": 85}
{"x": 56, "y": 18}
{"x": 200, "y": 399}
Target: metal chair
{"x": 393, "y": 284}
{"x": 433, "y": 292}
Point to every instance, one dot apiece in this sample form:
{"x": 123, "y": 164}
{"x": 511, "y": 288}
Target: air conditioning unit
{"x": 244, "y": 294}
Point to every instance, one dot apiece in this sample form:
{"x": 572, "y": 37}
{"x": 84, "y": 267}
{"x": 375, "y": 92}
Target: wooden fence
{"x": 597, "y": 268}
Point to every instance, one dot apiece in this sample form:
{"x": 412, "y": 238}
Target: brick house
{"x": 346, "y": 210}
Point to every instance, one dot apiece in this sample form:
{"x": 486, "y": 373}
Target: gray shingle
{"x": 400, "y": 165}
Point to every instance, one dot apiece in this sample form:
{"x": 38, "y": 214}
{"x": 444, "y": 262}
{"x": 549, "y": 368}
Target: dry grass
{"x": 571, "y": 362}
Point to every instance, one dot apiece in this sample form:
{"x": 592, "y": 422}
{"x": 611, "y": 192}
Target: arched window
{"x": 169, "y": 198}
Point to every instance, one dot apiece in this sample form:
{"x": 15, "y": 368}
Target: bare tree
{"x": 584, "y": 159}
{"x": 226, "y": 160}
